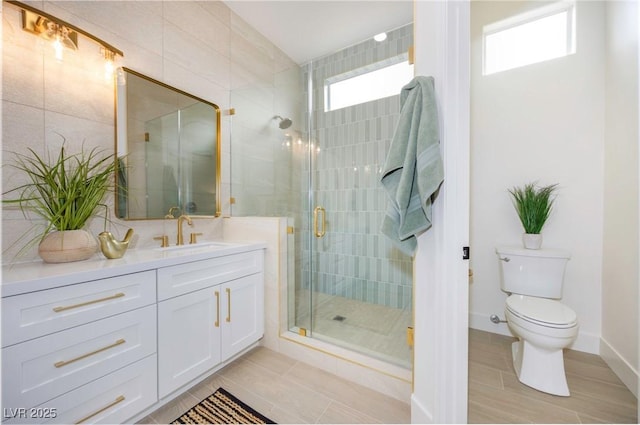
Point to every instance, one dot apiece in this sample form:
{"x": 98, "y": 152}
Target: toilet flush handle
{"x": 506, "y": 259}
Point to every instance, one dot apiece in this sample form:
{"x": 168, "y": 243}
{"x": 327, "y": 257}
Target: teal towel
{"x": 413, "y": 170}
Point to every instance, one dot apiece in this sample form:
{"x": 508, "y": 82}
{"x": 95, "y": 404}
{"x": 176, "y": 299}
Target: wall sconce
{"x": 62, "y": 34}
{"x": 58, "y": 34}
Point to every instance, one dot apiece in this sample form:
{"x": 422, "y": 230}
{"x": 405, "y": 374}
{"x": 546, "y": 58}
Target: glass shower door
{"x": 352, "y": 286}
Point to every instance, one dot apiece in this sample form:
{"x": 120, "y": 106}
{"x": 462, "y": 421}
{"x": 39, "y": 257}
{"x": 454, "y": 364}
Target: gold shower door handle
{"x": 316, "y": 212}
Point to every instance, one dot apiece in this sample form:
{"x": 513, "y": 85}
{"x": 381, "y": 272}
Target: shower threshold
{"x": 379, "y": 375}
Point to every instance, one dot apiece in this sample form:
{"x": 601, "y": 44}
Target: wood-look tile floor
{"x": 496, "y": 395}
{"x": 288, "y": 391}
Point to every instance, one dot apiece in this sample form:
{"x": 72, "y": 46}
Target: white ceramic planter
{"x": 532, "y": 241}
{"x": 67, "y": 246}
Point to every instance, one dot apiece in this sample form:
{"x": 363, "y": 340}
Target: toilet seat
{"x": 542, "y": 311}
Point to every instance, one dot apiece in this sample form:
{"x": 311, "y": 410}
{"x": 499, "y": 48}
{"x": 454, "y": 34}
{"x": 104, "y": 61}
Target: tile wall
{"x": 202, "y": 48}
{"x": 354, "y": 259}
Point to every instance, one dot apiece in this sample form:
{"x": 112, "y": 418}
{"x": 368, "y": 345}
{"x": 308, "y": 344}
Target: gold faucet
{"x": 170, "y": 214}
{"x": 182, "y": 218}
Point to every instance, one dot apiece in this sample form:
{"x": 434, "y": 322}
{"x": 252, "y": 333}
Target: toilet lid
{"x": 542, "y": 310}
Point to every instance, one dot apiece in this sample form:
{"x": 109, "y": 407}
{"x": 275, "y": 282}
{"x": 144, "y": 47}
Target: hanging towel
{"x": 413, "y": 169}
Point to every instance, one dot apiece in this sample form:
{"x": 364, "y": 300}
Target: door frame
{"x": 441, "y": 293}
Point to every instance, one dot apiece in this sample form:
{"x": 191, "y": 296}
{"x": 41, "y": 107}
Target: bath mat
{"x": 222, "y": 407}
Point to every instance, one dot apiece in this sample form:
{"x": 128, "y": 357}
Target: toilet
{"x": 544, "y": 326}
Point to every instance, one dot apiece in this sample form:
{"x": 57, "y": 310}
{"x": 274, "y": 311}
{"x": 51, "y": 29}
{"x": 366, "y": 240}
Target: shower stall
{"x": 349, "y": 285}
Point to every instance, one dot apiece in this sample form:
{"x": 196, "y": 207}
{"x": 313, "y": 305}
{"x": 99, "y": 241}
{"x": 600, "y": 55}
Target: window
{"x": 542, "y": 34}
{"x": 377, "y": 81}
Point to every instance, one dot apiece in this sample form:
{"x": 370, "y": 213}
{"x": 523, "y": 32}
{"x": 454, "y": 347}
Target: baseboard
{"x": 627, "y": 374}
{"x": 585, "y": 342}
{"x": 419, "y": 413}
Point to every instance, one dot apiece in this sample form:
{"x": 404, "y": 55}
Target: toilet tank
{"x": 533, "y": 272}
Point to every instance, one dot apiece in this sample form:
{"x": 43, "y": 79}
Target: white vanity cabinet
{"x": 109, "y": 341}
{"x": 208, "y": 311}
{"x": 189, "y": 338}
{"x": 61, "y": 341}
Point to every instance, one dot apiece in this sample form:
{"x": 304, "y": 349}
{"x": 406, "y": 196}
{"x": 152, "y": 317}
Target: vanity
{"x": 108, "y": 340}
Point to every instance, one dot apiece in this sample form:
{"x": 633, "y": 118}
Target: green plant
{"x": 65, "y": 191}
{"x": 533, "y": 205}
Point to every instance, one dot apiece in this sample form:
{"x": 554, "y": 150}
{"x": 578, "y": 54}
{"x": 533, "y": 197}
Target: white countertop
{"x": 21, "y": 278}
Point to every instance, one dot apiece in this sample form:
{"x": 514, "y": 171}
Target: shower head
{"x": 284, "y": 122}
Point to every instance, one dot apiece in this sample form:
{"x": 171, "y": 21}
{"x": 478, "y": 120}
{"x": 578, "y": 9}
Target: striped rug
{"x": 222, "y": 407}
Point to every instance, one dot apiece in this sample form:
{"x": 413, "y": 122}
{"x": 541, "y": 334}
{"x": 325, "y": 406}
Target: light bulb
{"x": 109, "y": 57}
{"x": 108, "y": 69}
{"x": 380, "y": 37}
{"x": 58, "y": 47}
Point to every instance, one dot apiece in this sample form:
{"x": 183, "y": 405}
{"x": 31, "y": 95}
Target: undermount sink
{"x": 199, "y": 245}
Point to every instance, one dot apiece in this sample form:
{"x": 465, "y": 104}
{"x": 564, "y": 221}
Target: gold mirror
{"x": 168, "y": 146}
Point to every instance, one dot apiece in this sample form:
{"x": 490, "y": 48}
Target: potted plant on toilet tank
{"x": 65, "y": 191}
{"x": 533, "y": 205}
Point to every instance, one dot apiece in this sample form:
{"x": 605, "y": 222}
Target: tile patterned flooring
{"x": 288, "y": 391}
{"x": 496, "y": 395}
{"x": 374, "y": 330}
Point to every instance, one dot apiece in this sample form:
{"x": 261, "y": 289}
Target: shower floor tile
{"x": 372, "y": 329}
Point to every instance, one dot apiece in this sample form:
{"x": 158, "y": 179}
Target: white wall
{"x": 619, "y": 343}
{"x": 545, "y": 123}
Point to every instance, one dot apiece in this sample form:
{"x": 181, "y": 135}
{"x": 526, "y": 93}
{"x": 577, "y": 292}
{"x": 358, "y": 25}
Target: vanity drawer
{"x": 189, "y": 277}
{"x": 35, "y": 314}
{"x": 40, "y": 369}
{"x": 111, "y": 399}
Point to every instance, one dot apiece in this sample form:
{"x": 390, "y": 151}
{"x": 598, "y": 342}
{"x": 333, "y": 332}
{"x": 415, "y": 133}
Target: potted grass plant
{"x": 66, "y": 191}
{"x": 533, "y": 205}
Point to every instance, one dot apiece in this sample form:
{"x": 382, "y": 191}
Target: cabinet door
{"x": 243, "y": 311}
{"x": 188, "y": 337}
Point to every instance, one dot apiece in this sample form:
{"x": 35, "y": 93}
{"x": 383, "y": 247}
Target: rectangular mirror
{"x": 168, "y": 148}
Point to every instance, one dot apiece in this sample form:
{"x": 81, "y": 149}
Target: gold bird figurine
{"x": 112, "y": 248}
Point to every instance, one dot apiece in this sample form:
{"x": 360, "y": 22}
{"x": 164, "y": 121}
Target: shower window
{"x": 376, "y": 81}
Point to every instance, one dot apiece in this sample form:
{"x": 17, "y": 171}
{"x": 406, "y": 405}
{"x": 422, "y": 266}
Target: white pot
{"x": 531, "y": 240}
{"x": 67, "y": 246}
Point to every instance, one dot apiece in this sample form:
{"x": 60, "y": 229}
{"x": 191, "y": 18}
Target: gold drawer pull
{"x": 228, "y": 304}
{"x": 119, "y": 399}
{"x": 69, "y": 307}
{"x": 217, "y": 324}
{"x": 84, "y": 356}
